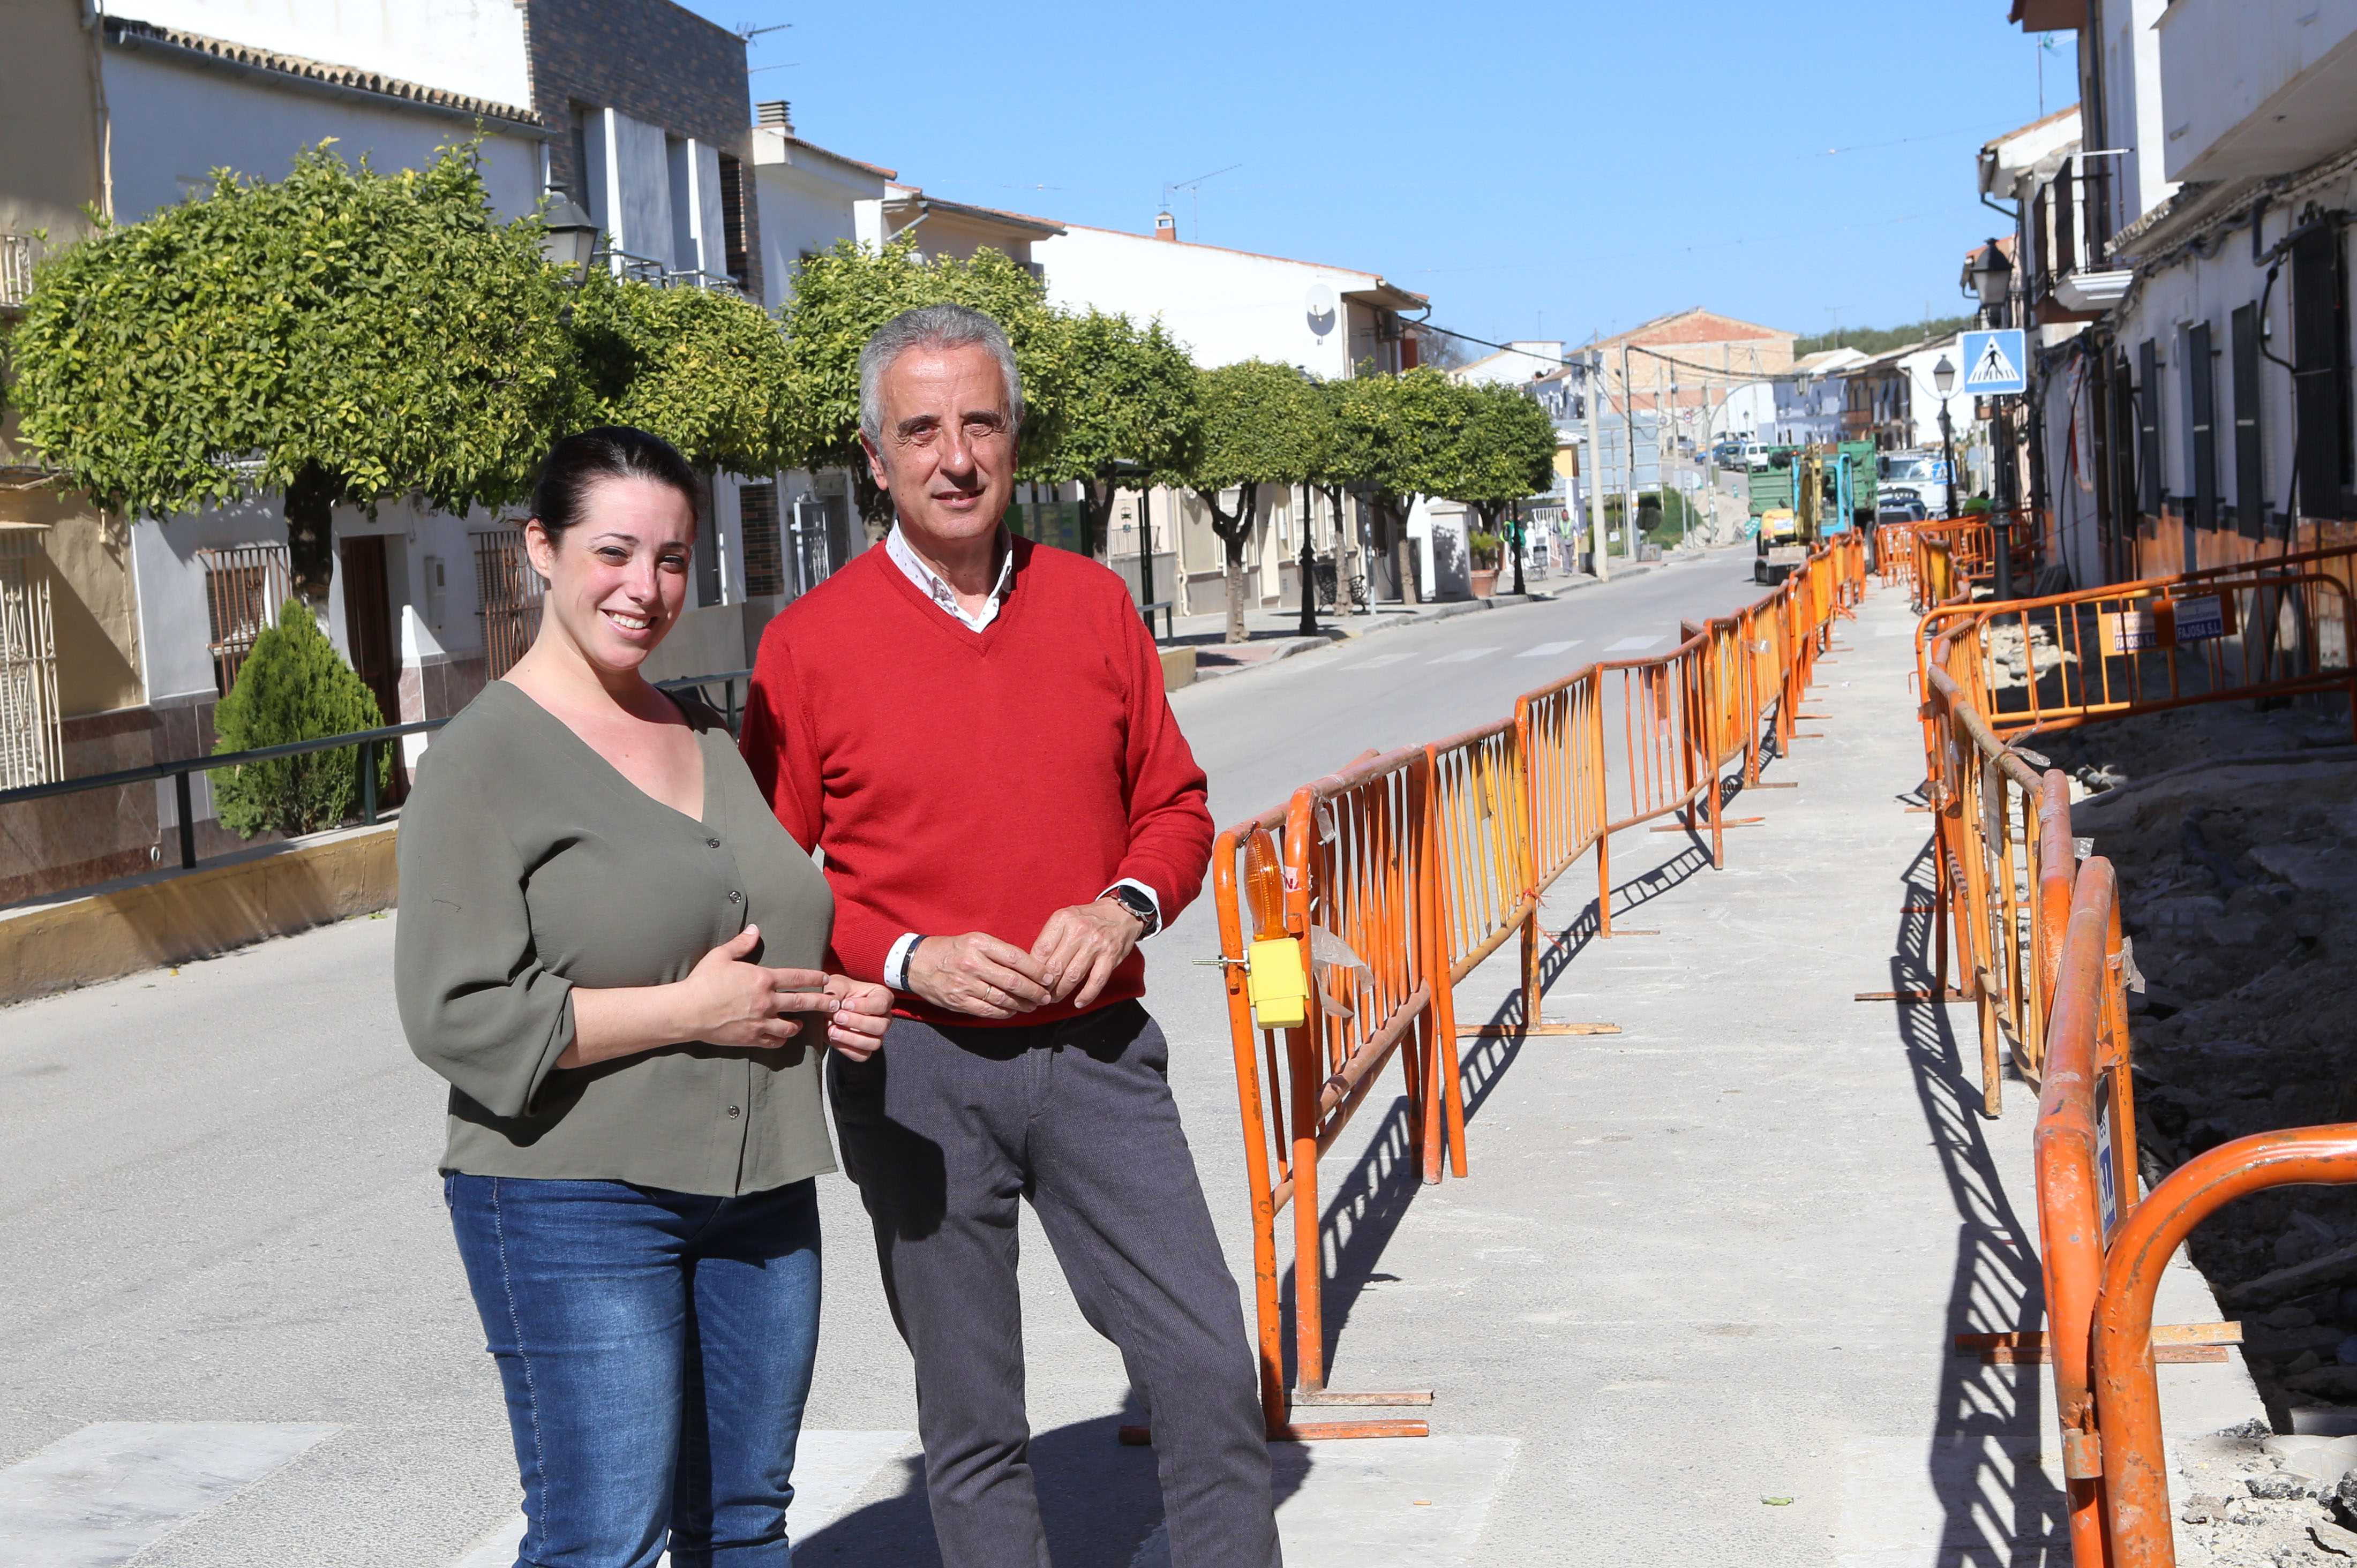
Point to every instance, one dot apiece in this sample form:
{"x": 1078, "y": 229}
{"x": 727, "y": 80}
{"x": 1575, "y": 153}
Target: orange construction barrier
{"x": 1344, "y": 969}
{"x": 1349, "y": 915}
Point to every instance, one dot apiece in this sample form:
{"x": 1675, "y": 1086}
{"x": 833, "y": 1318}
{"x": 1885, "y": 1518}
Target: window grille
{"x": 15, "y": 268}
{"x": 32, "y": 749}
{"x": 508, "y": 593}
{"x": 757, "y": 513}
{"x": 245, "y": 585}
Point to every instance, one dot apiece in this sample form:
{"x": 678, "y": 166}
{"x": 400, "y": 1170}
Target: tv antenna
{"x": 749, "y": 33}
{"x": 1194, "y": 187}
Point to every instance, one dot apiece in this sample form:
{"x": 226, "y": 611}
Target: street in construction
{"x": 1694, "y": 1301}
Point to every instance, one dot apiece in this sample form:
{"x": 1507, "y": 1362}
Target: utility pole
{"x": 1629, "y": 452}
{"x": 1593, "y": 478}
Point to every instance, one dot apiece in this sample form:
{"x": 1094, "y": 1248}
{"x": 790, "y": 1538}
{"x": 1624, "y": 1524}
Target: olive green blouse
{"x": 529, "y": 865}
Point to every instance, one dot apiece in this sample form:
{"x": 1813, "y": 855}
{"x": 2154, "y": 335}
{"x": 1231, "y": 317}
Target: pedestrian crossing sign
{"x": 1994, "y": 363}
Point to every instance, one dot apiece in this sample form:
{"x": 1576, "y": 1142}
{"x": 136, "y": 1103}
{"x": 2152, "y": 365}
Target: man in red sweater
{"x": 974, "y": 729}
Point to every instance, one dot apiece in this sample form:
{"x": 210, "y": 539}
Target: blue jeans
{"x": 656, "y": 1350}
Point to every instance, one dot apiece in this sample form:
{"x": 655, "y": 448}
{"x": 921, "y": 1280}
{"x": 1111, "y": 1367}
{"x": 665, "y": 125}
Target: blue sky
{"x": 1538, "y": 170}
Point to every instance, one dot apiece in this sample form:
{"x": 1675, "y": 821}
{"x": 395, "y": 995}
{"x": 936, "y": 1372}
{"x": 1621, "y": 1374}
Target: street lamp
{"x": 1992, "y": 275}
{"x": 1143, "y": 478}
{"x": 568, "y": 239}
{"x": 1943, "y": 379}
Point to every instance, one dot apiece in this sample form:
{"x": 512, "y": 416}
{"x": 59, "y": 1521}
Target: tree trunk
{"x": 1096, "y": 514}
{"x": 310, "y": 509}
{"x": 1234, "y": 573}
{"x": 1345, "y": 541}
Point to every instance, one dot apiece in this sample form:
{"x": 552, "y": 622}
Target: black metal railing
{"x": 367, "y": 740}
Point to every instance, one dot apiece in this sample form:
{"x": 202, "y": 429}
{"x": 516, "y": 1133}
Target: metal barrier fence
{"x": 2038, "y": 934}
{"x": 1991, "y": 673}
{"x": 1349, "y": 915}
{"x": 366, "y": 741}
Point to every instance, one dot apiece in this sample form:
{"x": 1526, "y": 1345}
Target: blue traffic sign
{"x": 1994, "y": 363}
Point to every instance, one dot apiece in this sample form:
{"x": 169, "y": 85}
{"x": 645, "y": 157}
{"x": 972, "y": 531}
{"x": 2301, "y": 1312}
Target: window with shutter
{"x": 2201, "y": 428}
{"x": 2319, "y": 338}
{"x": 2150, "y": 490}
{"x": 2250, "y": 453}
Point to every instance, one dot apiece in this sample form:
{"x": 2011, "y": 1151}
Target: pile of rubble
{"x": 2289, "y": 1501}
{"x": 2234, "y": 834}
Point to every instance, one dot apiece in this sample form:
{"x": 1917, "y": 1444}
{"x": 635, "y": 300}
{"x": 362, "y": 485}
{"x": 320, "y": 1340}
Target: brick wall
{"x": 655, "y": 62}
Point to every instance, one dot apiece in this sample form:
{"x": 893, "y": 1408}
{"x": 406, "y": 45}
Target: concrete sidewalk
{"x": 1706, "y": 1272}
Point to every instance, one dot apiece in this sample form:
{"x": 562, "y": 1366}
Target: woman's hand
{"x": 862, "y": 1012}
{"x": 733, "y": 1003}
{"x": 724, "y": 1001}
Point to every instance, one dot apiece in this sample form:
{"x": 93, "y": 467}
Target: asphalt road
{"x": 219, "y": 1204}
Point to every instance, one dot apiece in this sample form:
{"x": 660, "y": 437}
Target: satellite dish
{"x": 1319, "y": 303}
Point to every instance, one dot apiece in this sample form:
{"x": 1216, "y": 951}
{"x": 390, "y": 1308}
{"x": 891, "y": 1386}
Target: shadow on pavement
{"x": 1372, "y": 1197}
{"x": 1099, "y": 1499}
{"x": 1999, "y": 1506}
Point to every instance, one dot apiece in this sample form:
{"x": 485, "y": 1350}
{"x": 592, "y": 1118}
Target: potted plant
{"x": 1488, "y": 550}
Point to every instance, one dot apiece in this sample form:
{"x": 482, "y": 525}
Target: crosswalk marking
{"x": 107, "y": 1493}
{"x": 1548, "y": 650}
{"x": 831, "y": 1469}
{"x": 1632, "y": 645}
{"x": 1465, "y": 656}
{"x": 1379, "y": 661}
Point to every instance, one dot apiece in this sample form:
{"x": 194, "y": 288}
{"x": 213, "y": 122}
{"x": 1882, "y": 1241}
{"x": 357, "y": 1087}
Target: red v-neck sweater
{"x": 975, "y": 781}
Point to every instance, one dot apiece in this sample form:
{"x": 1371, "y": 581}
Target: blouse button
{"x": 712, "y": 844}
{"x": 735, "y": 896}
{"x": 734, "y": 1112}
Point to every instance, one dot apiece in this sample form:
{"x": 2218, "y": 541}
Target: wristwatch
{"x": 1136, "y": 903}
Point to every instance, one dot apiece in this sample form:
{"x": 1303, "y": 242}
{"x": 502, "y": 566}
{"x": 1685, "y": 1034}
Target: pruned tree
{"x": 842, "y": 295}
{"x": 1132, "y": 402}
{"x": 1263, "y": 423}
{"x": 336, "y": 336}
{"x": 1504, "y": 452}
{"x": 1394, "y": 434}
{"x": 704, "y": 368}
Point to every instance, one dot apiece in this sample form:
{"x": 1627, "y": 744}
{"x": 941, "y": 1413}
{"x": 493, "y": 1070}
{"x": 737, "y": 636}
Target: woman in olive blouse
{"x": 611, "y": 950}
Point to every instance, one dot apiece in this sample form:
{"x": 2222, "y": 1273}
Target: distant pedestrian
{"x": 974, "y": 730}
{"x": 612, "y": 951}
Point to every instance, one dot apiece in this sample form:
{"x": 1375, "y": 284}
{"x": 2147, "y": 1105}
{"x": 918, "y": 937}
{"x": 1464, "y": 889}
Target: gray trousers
{"x": 945, "y": 1130}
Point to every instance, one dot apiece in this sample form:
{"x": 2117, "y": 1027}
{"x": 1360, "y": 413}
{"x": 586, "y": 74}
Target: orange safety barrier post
{"x": 2085, "y": 1163}
{"x": 1341, "y": 973}
{"x": 2127, "y": 1400}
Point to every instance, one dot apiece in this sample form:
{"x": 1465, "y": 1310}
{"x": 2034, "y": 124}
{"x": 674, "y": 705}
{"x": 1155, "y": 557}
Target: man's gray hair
{"x": 932, "y": 326}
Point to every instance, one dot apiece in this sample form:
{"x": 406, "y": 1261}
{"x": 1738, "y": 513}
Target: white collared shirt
{"x": 931, "y": 584}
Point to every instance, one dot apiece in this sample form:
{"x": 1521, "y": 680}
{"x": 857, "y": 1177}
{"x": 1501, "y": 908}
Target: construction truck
{"x": 1807, "y": 494}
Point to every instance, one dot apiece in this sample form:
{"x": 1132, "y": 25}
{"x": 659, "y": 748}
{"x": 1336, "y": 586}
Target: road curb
{"x": 175, "y": 916}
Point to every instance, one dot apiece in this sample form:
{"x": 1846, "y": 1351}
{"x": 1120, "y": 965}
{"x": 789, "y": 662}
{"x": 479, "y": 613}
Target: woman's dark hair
{"x": 609, "y": 452}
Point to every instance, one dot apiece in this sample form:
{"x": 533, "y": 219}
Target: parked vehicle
{"x": 1924, "y": 475}
{"x": 1900, "y": 509}
{"x": 1740, "y": 453}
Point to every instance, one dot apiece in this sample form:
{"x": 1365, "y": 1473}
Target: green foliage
{"x": 1488, "y": 549}
{"x": 1398, "y": 433}
{"x": 705, "y": 369}
{"x": 360, "y": 335}
{"x": 1882, "y": 340}
{"x": 1263, "y": 423}
{"x": 293, "y": 686}
{"x": 1504, "y": 451}
{"x": 1132, "y": 399}
{"x": 842, "y": 296}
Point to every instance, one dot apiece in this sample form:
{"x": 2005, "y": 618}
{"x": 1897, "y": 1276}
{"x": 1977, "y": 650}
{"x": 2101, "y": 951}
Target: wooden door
{"x": 368, "y": 626}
